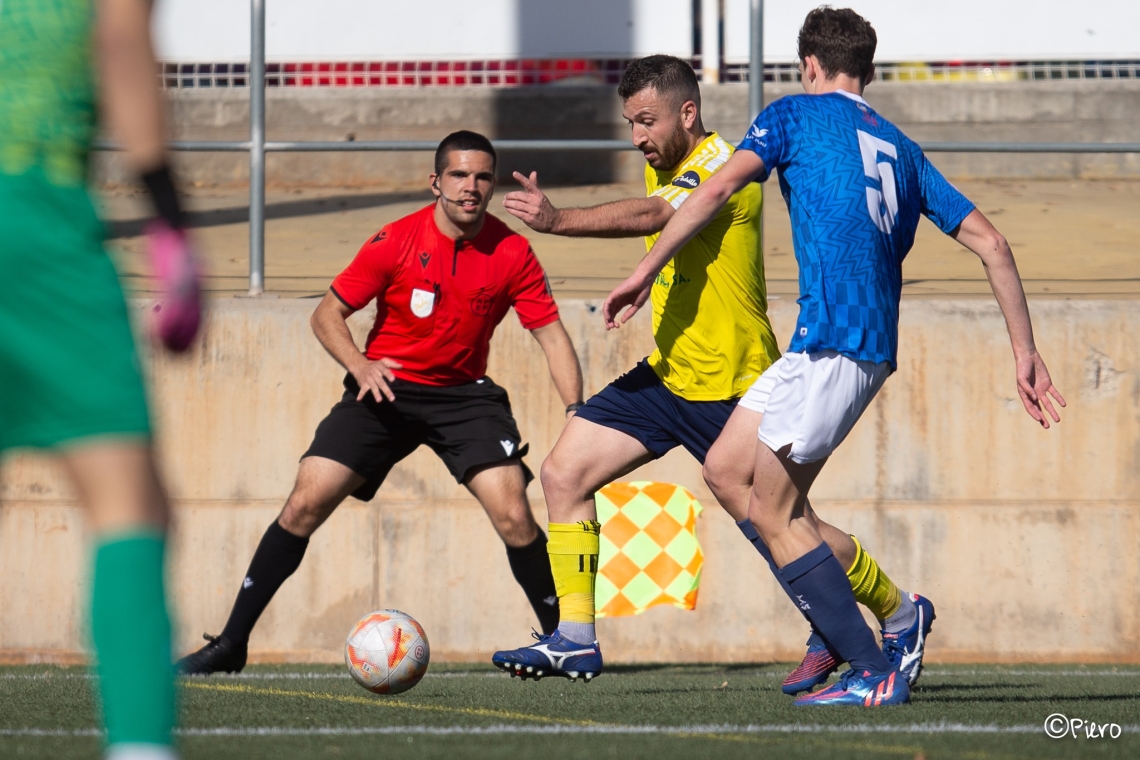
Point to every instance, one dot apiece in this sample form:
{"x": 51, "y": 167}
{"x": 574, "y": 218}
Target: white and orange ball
{"x": 387, "y": 652}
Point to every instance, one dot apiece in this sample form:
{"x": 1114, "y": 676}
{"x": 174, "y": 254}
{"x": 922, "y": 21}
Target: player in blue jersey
{"x": 855, "y": 187}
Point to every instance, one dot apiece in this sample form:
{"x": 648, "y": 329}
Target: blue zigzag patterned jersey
{"x": 855, "y": 187}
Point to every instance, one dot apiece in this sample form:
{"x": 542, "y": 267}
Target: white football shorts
{"x": 812, "y": 401}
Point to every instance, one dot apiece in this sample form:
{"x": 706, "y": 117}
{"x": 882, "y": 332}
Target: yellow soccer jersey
{"x": 710, "y": 303}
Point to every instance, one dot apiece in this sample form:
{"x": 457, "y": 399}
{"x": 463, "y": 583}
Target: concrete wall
{"x": 1031, "y": 111}
{"x": 1025, "y": 539}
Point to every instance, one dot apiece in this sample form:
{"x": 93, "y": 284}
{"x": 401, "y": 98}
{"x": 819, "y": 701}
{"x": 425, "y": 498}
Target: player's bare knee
{"x": 558, "y": 481}
{"x": 304, "y": 511}
{"x": 714, "y": 476}
{"x": 517, "y": 526}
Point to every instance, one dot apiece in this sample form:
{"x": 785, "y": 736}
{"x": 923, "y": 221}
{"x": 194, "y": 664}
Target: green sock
{"x": 131, "y": 632}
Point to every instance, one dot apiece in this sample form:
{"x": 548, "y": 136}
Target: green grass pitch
{"x": 635, "y": 711}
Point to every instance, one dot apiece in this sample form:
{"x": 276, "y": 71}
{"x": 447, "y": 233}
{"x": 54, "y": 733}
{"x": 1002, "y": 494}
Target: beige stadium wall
{"x": 1057, "y": 111}
{"x": 1025, "y": 539}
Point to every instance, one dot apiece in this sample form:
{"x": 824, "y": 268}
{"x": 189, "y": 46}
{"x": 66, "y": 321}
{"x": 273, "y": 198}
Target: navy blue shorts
{"x": 639, "y": 405}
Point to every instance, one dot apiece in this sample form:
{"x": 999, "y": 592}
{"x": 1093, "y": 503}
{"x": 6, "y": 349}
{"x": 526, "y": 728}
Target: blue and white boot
{"x": 553, "y": 655}
{"x": 861, "y": 689}
{"x": 905, "y": 649}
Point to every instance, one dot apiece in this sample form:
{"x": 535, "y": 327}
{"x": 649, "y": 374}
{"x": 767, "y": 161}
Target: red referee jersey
{"x": 439, "y": 300}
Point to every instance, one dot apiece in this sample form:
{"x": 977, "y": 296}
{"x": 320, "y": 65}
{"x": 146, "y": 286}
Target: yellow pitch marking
{"x": 345, "y": 699}
{"x": 502, "y": 714}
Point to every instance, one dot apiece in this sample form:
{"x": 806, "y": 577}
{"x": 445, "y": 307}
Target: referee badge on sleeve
{"x": 423, "y": 301}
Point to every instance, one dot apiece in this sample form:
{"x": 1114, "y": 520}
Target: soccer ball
{"x": 387, "y": 652}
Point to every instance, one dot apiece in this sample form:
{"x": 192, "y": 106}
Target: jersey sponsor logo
{"x": 758, "y": 134}
{"x": 689, "y": 179}
{"x": 481, "y": 304}
{"x": 508, "y": 446}
{"x": 425, "y": 257}
{"x": 423, "y": 302}
{"x": 678, "y": 279}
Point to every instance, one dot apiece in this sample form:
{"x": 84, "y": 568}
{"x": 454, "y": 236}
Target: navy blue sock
{"x": 824, "y": 595}
{"x": 750, "y": 532}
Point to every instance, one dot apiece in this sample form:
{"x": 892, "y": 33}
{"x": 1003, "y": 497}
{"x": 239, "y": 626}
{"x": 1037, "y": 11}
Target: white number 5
{"x": 871, "y": 146}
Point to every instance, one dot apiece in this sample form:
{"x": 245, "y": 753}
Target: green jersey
{"x": 47, "y": 88}
{"x": 62, "y": 314}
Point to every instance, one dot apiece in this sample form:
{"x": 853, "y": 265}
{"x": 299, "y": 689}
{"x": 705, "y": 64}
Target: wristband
{"x": 575, "y": 406}
{"x": 160, "y": 185}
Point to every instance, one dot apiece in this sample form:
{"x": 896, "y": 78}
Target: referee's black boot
{"x": 219, "y": 656}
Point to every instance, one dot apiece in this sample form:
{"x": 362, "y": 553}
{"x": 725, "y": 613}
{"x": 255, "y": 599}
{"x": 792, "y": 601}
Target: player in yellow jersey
{"x": 713, "y": 340}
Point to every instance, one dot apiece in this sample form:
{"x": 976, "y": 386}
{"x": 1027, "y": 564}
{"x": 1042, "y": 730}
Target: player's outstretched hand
{"x": 178, "y": 313}
{"x": 633, "y": 292}
{"x": 1035, "y": 387}
{"x": 531, "y": 204}
{"x": 373, "y": 377}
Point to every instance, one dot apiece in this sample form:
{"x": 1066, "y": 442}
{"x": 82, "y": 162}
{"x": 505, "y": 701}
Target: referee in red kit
{"x": 443, "y": 278}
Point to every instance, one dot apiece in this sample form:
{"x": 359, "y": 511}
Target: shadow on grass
{"x": 951, "y": 687}
{"x": 691, "y": 667}
{"x": 127, "y": 228}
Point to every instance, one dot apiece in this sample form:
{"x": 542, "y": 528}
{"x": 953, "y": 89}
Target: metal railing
{"x": 257, "y": 146}
{"x": 523, "y": 72}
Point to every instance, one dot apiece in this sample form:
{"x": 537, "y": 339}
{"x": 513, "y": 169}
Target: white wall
{"x": 376, "y": 30}
{"x": 344, "y": 30}
{"x": 958, "y": 30}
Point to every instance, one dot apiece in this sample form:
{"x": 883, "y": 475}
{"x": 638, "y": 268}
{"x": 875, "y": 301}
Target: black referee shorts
{"x": 468, "y": 426}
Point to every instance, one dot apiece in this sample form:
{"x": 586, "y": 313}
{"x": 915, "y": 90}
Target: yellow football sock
{"x": 573, "y": 549}
{"x": 873, "y": 589}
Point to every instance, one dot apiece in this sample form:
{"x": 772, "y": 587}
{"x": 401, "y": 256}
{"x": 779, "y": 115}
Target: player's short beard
{"x": 673, "y": 152}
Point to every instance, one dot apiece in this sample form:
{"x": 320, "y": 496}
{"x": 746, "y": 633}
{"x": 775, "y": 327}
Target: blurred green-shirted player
{"x": 69, "y": 373}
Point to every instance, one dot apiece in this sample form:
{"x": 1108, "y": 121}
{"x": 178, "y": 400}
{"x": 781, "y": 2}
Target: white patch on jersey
{"x": 508, "y": 446}
{"x": 423, "y": 301}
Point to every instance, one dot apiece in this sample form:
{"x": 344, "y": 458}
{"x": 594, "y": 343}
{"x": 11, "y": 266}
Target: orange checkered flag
{"x": 649, "y": 549}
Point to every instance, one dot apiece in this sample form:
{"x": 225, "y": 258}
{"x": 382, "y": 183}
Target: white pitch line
{"x": 320, "y": 676}
{"x": 607, "y": 729}
{"x": 250, "y": 676}
{"x": 1065, "y": 673}
{"x": 337, "y": 676}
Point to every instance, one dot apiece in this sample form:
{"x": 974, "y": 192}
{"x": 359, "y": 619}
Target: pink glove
{"x": 178, "y": 313}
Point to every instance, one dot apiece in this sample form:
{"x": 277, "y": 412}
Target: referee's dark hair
{"x": 464, "y": 140}
{"x": 842, "y": 40}
{"x": 665, "y": 73}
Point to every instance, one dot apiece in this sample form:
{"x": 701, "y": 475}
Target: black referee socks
{"x": 277, "y": 557}
{"x": 530, "y": 565}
